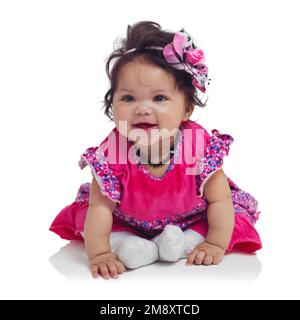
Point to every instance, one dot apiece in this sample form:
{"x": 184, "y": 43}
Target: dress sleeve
{"x": 109, "y": 184}
{"x": 216, "y": 148}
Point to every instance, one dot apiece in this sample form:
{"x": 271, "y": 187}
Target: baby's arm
{"x": 220, "y": 212}
{"x": 220, "y": 215}
{"x": 97, "y": 230}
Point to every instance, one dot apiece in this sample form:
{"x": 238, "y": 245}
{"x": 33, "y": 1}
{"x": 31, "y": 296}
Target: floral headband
{"x": 181, "y": 55}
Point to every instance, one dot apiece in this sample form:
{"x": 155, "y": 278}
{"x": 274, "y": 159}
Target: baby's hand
{"x": 106, "y": 263}
{"x": 206, "y": 253}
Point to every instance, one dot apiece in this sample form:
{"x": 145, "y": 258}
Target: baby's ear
{"x": 189, "y": 111}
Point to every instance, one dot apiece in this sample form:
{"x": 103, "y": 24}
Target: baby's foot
{"x": 135, "y": 252}
{"x": 170, "y": 243}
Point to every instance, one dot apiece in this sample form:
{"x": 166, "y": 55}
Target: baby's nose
{"x": 143, "y": 108}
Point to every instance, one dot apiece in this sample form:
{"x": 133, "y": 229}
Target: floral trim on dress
{"x": 217, "y": 148}
{"x": 244, "y": 202}
{"x": 109, "y": 184}
{"x": 83, "y": 192}
{"x": 151, "y": 228}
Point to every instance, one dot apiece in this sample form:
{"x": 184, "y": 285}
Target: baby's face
{"x": 146, "y": 100}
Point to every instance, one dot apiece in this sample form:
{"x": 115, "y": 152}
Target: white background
{"x": 53, "y": 82}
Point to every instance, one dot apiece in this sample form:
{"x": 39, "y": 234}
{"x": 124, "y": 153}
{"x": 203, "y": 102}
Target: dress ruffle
{"x": 109, "y": 184}
{"x": 217, "y": 148}
{"x": 70, "y": 220}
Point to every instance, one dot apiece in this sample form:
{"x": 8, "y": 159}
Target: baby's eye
{"x": 124, "y": 98}
{"x": 162, "y": 97}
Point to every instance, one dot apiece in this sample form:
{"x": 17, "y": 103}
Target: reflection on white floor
{"x": 71, "y": 262}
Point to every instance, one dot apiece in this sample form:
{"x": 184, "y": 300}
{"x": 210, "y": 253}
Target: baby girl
{"x": 158, "y": 191}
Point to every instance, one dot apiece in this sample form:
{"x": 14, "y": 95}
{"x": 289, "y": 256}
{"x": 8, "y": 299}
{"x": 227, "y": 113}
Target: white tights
{"x": 135, "y": 251}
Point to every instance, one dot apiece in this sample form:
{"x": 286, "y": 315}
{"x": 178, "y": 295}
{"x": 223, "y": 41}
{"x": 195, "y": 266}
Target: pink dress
{"x": 145, "y": 204}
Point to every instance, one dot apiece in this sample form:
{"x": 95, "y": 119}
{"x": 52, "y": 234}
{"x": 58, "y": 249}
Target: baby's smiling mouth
{"x": 145, "y": 126}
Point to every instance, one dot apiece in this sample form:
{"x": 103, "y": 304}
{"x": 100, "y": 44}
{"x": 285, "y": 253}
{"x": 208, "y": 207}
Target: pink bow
{"x": 181, "y": 55}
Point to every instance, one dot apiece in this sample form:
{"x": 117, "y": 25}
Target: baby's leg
{"x": 115, "y": 238}
{"x": 174, "y": 244}
{"x": 170, "y": 243}
{"x": 133, "y": 251}
{"x": 192, "y": 238}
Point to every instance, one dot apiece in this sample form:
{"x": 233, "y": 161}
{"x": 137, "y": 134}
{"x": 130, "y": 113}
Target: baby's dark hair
{"x": 139, "y": 36}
